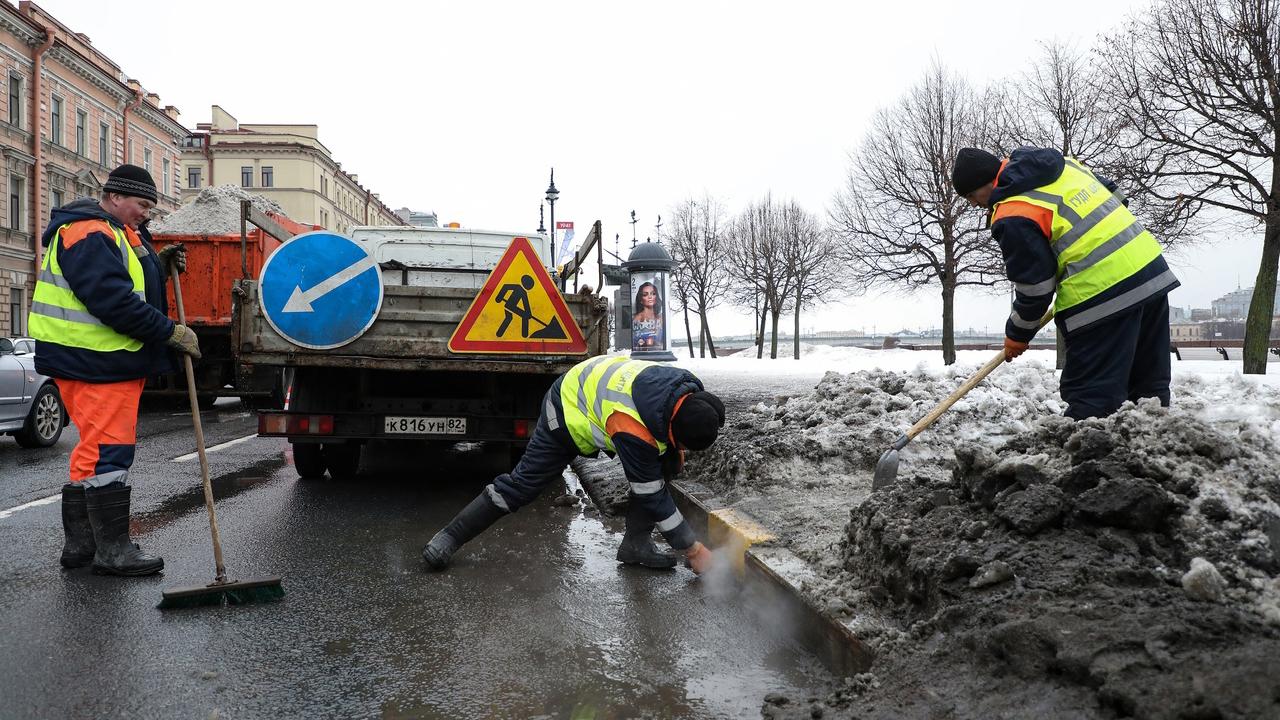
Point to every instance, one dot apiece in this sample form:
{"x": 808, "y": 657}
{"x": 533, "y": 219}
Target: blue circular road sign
{"x": 320, "y": 290}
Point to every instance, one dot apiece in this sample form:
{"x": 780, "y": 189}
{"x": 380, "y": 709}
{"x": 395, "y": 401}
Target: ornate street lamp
{"x": 552, "y": 195}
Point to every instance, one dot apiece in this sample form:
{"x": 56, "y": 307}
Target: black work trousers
{"x": 550, "y": 450}
{"x": 1123, "y": 357}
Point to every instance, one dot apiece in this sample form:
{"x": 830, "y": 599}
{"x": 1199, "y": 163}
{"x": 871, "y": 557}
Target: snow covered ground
{"x": 1021, "y": 558}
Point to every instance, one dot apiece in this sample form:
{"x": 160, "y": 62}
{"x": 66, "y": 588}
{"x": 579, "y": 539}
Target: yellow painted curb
{"x": 732, "y": 531}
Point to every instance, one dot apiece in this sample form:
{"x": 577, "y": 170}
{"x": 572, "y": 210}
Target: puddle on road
{"x": 224, "y": 487}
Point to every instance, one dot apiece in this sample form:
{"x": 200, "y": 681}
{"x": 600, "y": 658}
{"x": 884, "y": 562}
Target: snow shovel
{"x": 221, "y": 591}
{"x": 887, "y": 467}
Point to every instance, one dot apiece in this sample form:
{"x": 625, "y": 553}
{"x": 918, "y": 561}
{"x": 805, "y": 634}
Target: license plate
{"x": 424, "y": 425}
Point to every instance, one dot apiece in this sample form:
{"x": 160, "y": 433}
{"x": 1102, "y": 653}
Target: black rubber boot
{"x": 638, "y": 547}
{"x": 116, "y": 554}
{"x": 474, "y": 519}
{"x": 79, "y": 547}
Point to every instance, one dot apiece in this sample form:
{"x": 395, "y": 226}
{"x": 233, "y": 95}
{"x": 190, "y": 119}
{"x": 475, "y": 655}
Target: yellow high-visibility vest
{"x": 1097, "y": 241}
{"x": 58, "y": 316}
{"x": 595, "y": 389}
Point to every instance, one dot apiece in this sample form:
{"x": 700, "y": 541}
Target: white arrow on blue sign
{"x": 320, "y": 290}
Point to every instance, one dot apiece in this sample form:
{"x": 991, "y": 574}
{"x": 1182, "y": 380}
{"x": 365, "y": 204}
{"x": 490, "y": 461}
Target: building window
{"x": 324, "y": 186}
{"x": 193, "y": 177}
{"x": 55, "y": 121}
{"x": 55, "y": 198}
{"x": 104, "y": 143}
{"x": 15, "y": 203}
{"x": 146, "y": 159}
{"x": 16, "y": 316}
{"x": 15, "y": 100}
{"x": 268, "y": 177}
{"x": 246, "y": 177}
{"x": 128, "y": 152}
{"x": 82, "y": 133}
{"x": 166, "y": 176}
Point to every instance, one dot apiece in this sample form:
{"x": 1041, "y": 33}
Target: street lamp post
{"x": 552, "y": 195}
{"x": 542, "y": 227}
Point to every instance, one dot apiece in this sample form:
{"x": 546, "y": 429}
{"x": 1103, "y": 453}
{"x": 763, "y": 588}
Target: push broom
{"x": 221, "y": 591}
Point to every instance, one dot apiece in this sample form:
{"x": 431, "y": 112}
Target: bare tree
{"x": 903, "y": 226}
{"x": 759, "y": 267}
{"x": 811, "y": 258}
{"x": 1200, "y": 81}
{"x": 745, "y": 283}
{"x": 681, "y": 286}
{"x": 698, "y": 240}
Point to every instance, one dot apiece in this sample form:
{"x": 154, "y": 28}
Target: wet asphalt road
{"x": 534, "y": 619}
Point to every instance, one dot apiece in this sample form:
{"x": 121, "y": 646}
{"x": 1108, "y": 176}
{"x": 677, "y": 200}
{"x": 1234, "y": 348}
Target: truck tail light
{"x": 289, "y": 424}
{"x": 521, "y": 428}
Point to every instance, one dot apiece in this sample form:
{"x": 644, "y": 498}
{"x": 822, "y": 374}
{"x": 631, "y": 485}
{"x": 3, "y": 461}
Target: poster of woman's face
{"x": 648, "y": 327}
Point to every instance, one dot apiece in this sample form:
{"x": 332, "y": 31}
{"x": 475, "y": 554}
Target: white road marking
{"x": 34, "y": 503}
{"x": 192, "y": 456}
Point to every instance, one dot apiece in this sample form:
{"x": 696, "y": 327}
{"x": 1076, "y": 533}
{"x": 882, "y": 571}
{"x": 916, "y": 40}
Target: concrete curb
{"x": 777, "y": 570}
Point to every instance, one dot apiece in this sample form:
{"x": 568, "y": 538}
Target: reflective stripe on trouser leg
{"x": 671, "y": 522}
{"x": 543, "y": 463}
{"x": 106, "y": 415}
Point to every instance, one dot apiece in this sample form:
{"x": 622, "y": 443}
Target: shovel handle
{"x": 964, "y": 389}
{"x": 195, "y": 421}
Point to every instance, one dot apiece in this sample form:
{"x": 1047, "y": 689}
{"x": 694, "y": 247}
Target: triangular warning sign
{"x": 519, "y": 310}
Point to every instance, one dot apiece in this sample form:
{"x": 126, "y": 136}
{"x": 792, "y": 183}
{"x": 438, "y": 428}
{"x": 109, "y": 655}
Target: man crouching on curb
{"x": 647, "y": 414}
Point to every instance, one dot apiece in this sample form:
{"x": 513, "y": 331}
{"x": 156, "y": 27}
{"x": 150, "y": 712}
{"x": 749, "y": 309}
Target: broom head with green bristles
{"x": 242, "y": 592}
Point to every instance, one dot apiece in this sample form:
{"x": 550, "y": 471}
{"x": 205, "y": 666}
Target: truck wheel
{"x": 308, "y": 460}
{"x": 343, "y": 459}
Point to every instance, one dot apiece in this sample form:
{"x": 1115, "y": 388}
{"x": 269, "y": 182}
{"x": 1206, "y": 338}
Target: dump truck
{"x": 214, "y": 262}
{"x": 407, "y": 377}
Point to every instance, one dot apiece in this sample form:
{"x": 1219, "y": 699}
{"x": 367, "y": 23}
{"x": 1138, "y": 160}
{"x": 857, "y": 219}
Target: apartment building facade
{"x": 68, "y": 115}
{"x": 285, "y": 163}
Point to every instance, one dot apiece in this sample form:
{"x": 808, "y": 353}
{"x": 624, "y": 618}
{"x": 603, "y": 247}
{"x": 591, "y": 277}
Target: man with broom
{"x": 99, "y": 319}
{"x": 647, "y": 414}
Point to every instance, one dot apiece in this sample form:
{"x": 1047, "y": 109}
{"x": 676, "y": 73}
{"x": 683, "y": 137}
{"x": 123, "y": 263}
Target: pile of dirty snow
{"x": 1024, "y": 564}
{"x": 798, "y": 462}
{"x": 215, "y": 211}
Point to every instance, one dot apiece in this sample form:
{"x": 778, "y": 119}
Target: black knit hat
{"x": 698, "y": 421}
{"x": 973, "y": 169}
{"x": 133, "y": 181}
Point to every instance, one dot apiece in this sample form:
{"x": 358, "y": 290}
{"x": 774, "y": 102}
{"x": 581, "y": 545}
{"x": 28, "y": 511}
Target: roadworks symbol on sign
{"x": 519, "y": 310}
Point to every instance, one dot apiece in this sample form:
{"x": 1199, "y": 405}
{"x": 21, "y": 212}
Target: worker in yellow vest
{"x": 98, "y": 315}
{"x": 645, "y": 413}
{"x": 1067, "y": 233}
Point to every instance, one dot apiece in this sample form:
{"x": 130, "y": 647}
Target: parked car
{"x": 31, "y": 409}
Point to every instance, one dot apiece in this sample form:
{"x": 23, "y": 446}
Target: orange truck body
{"x": 213, "y": 265}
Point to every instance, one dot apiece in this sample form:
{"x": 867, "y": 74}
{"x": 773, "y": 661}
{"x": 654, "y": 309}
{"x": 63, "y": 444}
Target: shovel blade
{"x": 886, "y": 470}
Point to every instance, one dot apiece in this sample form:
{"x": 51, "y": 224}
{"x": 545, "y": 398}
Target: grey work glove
{"x": 173, "y": 257}
{"x": 184, "y": 340}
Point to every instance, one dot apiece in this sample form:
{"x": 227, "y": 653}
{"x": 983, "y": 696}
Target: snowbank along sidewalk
{"x": 1023, "y": 564}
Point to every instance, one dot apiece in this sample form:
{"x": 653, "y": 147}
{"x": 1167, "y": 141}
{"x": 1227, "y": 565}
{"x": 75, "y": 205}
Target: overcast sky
{"x": 463, "y": 107}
